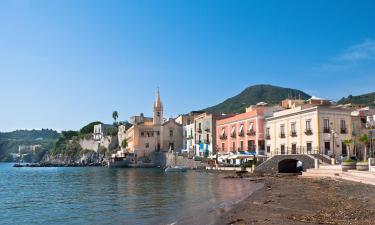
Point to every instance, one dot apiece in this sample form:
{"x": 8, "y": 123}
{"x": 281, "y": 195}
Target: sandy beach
{"x": 296, "y": 200}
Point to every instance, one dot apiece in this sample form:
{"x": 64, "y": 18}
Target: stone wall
{"x": 168, "y": 159}
{"x": 89, "y": 144}
{"x": 271, "y": 166}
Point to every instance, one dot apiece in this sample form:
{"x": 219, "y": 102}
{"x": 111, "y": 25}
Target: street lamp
{"x": 333, "y": 134}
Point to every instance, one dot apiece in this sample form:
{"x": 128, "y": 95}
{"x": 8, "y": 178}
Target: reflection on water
{"x": 114, "y": 196}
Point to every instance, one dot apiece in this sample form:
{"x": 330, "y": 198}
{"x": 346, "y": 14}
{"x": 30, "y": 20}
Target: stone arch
{"x": 288, "y": 166}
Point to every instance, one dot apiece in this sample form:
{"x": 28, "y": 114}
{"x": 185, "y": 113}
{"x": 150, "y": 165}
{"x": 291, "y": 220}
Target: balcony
{"x": 282, "y": 135}
{"x": 268, "y": 137}
{"x": 343, "y": 131}
{"x": 251, "y": 133}
{"x": 199, "y": 130}
{"x": 308, "y": 132}
{"x": 241, "y": 134}
{"x": 207, "y": 141}
{"x": 223, "y": 137}
{"x": 233, "y": 135}
{"x": 189, "y": 137}
{"x": 326, "y": 130}
{"x": 207, "y": 130}
{"x": 293, "y": 134}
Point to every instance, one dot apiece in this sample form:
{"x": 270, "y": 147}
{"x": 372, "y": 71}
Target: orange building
{"x": 242, "y": 132}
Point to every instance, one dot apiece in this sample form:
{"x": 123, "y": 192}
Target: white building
{"x": 309, "y": 129}
{"x": 99, "y": 131}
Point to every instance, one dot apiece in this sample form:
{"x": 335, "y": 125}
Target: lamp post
{"x": 333, "y": 134}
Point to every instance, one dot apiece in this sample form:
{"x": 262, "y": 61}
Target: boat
{"x": 175, "y": 169}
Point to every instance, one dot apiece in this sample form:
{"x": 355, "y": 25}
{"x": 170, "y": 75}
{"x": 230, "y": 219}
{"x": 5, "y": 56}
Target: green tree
{"x": 111, "y": 131}
{"x": 348, "y": 143}
{"x": 89, "y": 128}
{"x": 124, "y": 144}
{"x": 115, "y": 116}
{"x": 365, "y": 140}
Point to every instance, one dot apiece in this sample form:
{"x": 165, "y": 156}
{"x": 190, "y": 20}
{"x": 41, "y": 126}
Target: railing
{"x": 233, "y": 135}
{"x": 308, "y": 132}
{"x": 343, "y": 131}
{"x": 199, "y": 130}
{"x": 326, "y": 130}
{"x": 282, "y": 135}
{"x": 293, "y": 134}
{"x": 207, "y": 130}
{"x": 207, "y": 141}
{"x": 268, "y": 137}
{"x": 295, "y": 151}
{"x": 251, "y": 133}
{"x": 241, "y": 134}
{"x": 223, "y": 137}
{"x": 371, "y": 164}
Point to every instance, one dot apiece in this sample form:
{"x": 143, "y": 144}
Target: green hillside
{"x": 254, "y": 94}
{"x": 9, "y": 142}
{"x": 365, "y": 99}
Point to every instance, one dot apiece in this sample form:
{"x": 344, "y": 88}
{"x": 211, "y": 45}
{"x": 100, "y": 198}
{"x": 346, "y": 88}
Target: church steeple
{"x": 158, "y": 109}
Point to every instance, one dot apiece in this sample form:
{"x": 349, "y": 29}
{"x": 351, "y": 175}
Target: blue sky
{"x": 66, "y": 63}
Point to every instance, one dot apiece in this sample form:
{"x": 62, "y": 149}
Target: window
{"x": 222, "y": 146}
{"x": 343, "y": 126}
{"x": 241, "y": 145}
{"x": 147, "y": 145}
{"x": 308, "y": 124}
{"x": 282, "y": 131}
{"x": 241, "y": 133}
{"x": 233, "y": 131}
{"x": 268, "y": 149}
{"x": 158, "y": 114}
{"x": 158, "y": 133}
{"x": 294, "y": 148}
{"x": 267, "y": 131}
{"x": 293, "y": 127}
{"x": 282, "y": 149}
{"x": 200, "y": 139}
{"x": 282, "y": 128}
{"x": 326, "y": 124}
{"x": 142, "y": 134}
{"x": 308, "y": 147}
{"x": 234, "y": 146}
{"x": 170, "y": 133}
{"x": 207, "y": 138}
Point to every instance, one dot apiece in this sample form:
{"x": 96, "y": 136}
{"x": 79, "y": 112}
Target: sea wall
{"x": 167, "y": 159}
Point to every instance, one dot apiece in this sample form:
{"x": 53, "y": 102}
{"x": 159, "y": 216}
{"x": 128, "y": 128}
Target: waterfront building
{"x": 362, "y": 121}
{"x": 99, "y": 130}
{"x": 187, "y": 121}
{"x": 152, "y": 134}
{"x": 309, "y": 129}
{"x": 245, "y": 131}
{"x": 205, "y": 133}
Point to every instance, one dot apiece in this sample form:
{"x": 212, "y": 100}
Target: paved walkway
{"x": 336, "y": 172}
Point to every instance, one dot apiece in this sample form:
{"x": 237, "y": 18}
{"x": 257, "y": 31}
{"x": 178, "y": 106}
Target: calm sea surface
{"x": 114, "y": 196}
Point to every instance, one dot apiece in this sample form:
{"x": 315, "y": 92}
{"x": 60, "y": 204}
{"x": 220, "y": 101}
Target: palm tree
{"x": 115, "y": 115}
{"x": 365, "y": 140}
{"x": 348, "y": 142}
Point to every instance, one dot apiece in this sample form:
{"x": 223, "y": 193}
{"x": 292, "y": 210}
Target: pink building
{"x": 242, "y": 132}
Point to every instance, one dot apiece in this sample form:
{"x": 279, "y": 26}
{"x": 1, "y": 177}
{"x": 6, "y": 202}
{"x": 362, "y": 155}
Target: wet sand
{"x": 296, "y": 200}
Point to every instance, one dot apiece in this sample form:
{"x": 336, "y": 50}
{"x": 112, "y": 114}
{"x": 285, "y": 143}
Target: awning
{"x": 241, "y": 128}
{"x": 233, "y": 130}
{"x": 251, "y": 126}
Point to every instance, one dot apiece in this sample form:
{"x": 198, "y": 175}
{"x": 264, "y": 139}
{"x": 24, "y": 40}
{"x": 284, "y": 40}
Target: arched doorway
{"x": 289, "y": 166}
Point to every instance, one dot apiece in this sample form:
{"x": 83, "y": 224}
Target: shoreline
{"x": 296, "y": 200}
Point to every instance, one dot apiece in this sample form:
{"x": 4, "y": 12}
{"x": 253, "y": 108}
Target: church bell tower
{"x": 158, "y": 110}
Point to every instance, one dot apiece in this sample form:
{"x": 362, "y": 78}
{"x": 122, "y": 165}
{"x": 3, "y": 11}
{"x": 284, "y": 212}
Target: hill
{"x": 9, "y": 142}
{"x": 365, "y": 99}
{"x": 254, "y": 94}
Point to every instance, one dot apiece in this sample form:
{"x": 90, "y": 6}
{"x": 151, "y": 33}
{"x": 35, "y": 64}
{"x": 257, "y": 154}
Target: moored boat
{"x": 175, "y": 169}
